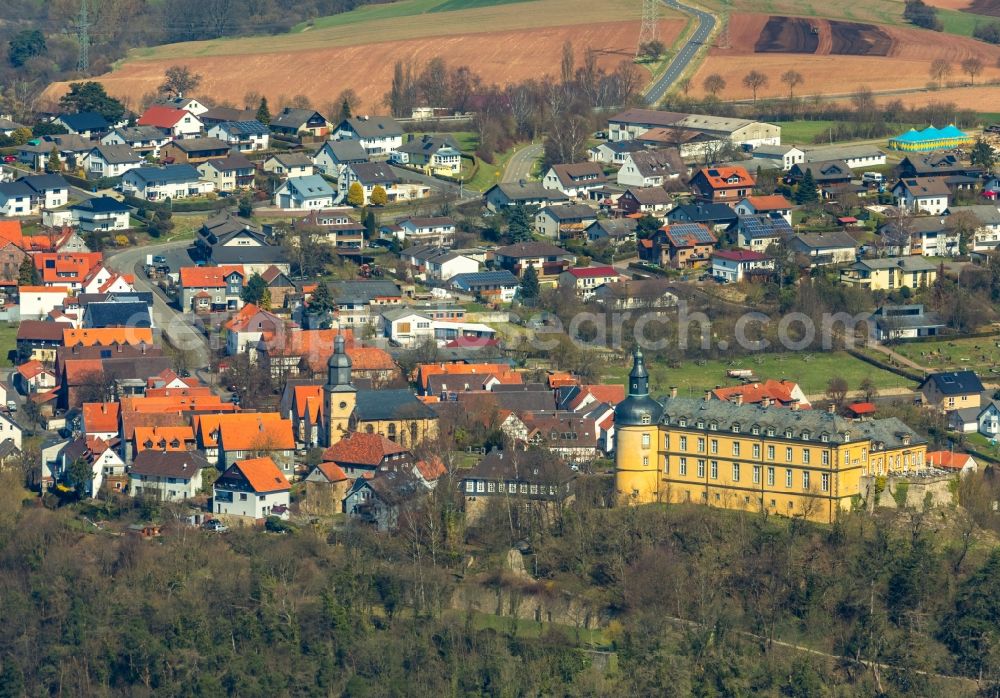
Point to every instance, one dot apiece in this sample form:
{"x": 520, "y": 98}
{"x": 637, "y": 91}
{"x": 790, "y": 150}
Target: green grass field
{"x": 8, "y": 342}
{"x": 812, "y": 371}
{"x": 804, "y": 131}
{"x": 961, "y": 23}
{"x": 978, "y": 353}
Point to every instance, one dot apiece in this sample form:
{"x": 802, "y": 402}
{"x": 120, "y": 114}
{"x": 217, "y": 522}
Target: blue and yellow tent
{"x": 930, "y": 139}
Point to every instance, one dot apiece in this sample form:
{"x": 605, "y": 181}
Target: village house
{"x": 653, "y": 201}
{"x": 175, "y": 123}
{"x": 774, "y": 205}
{"x": 585, "y": 280}
{"x": 194, "y": 150}
{"x": 411, "y": 327}
{"x": 930, "y": 236}
{"x": 288, "y": 165}
{"x": 110, "y": 161}
{"x": 87, "y": 124}
{"x": 785, "y": 155}
{"x": 188, "y": 104}
{"x": 489, "y": 286}
{"x": 380, "y": 500}
{"x": 369, "y": 175}
{"x": 34, "y": 377}
{"x": 634, "y": 123}
{"x": 733, "y": 266}
{"x": 438, "y": 263}
{"x": 38, "y": 340}
{"x": 727, "y": 185}
{"x": 208, "y": 289}
{"x": 822, "y": 249}
{"x": 527, "y": 478}
{"x": 575, "y": 180}
{"x": 300, "y": 124}
{"x": 890, "y": 273}
{"x": 248, "y": 326}
{"x": 298, "y": 193}
{"x": 432, "y": 155}
{"x": 618, "y": 232}
{"x": 961, "y": 463}
{"x": 326, "y": 486}
{"x": 69, "y": 148}
{"x": 613, "y": 153}
{"x": 336, "y": 228}
{"x": 505, "y": 194}
{"x": 769, "y": 393}
{"x": 640, "y": 294}
{"x": 685, "y": 245}
{"x": 101, "y": 214}
{"x": 566, "y": 220}
{"x": 548, "y": 260}
{"x": 759, "y": 232}
{"x": 166, "y": 476}
{"x": 228, "y": 173}
{"x": 360, "y": 454}
{"x": 927, "y": 194}
{"x": 984, "y": 419}
{"x": 649, "y": 168}
{"x": 944, "y": 164}
{"x": 333, "y": 156}
{"x": 378, "y": 135}
{"x": 361, "y": 302}
{"x": 145, "y": 141}
{"x": 106, "y": 466}
{"x": 248, "y": 434}
{"x": 856, "y": 156}
{"x": 825, "y": 174}
{"x": 243, "y": 136}
{"x": 169, "y": 182}
{"x": 254, "y": 488}
{"x": 15, "y": 199}
{"x": 718, "y": 217}
{"x": 38, "y": 301}
{"x": 952, "y": 390}
{"x": 891, "y": 322}
{"x": 439, "y": 230}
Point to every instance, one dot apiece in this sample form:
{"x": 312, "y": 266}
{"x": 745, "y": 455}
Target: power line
{"x": 650, "y": 23}
{"x": 83, "y": 38}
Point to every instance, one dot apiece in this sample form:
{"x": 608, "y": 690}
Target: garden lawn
{"x": 812, "y": 371}
{"x": 977, "y": 353}
{"x": 8, "y": 342}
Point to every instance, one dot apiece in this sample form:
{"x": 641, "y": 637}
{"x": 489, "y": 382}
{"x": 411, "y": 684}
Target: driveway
{"x": 680, "y": 62}
{"x": 522, "y": 162}
{"x": 177, "y": 327}
{"x": 448, "y": 190}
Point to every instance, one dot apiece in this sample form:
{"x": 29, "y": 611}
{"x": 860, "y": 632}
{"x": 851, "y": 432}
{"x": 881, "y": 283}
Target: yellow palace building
{"x": 806, "y": 463}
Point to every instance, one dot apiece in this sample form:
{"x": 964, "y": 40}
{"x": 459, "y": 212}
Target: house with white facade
{"x": 584, "y": 281}
{"x": 649, "y": 168}
{"x": 786, "y": 155}
{"x": 166, "y": 476}
{"x": 110, "y": 161}
{"x": 567, "y": 220}
{"x": 774, "y": 205}
{"x": 244, "y": 136}
{"x": 288, "y": 165}
{"x": 48, "y": 191}
{"x": 333, "y": 156}
{"x": 171, "y": 181}
{"x": 378, "y": 135}
{"x": 176, "y": 123}
{"x": 298, "y": 193}
{"x": 922, "y": 194}
{"x": 856, "y": 156}
{"x": 822, "y": 249}
{"x": 433, "y": 230}
{"x": 370, "y": 175}
{"x": 732, "y": 266}
{"x": 143, "y": 140}
{"x": 438, "y": 263}
{"x": 987, "y": 235}
{"x": 15, "y": 199}
{"x": 100, "y": 214}
{"x": 254, "y": 488}
{"x": 575, "y": 180}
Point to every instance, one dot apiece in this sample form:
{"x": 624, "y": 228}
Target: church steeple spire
{"x": 338, "y": 368}
{"x": 638, "y": 377}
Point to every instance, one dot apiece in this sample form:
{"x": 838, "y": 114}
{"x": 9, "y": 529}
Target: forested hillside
{"x": 685, "y": 600}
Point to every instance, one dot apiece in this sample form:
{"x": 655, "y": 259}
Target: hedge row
{"x": 178, "y": 206}
{"x": 899, "y": 371}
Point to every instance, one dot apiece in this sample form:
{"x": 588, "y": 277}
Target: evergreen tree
{"x": 345, "y": 110}
{"x": 356, "y": 195}
{"x": 647, "y": 226}
{"x": 245, "y": 206}
{"x": 263, "y": 113}
{"x": 807, "y": 193}
{"x": 519, "y": 224}
{"x": 53, "y": 164}
{"x": 321, "y": 300}
{"x": 371, "y": 224}
{"x": 255, "y": 290}
{"x": 379, "y": 196}
{"x": 27, "y": 275}
{"x": 982, "y": 154}
{"x": 529, "y": 288}
{"x": 90, "y": 96}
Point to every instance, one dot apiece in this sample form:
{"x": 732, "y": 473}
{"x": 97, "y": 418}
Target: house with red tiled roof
{"x": 295, "y": 352}
{"x": 772, "y": 393}
{"x": 176, "y": 123}
{"x": 773, "y": 205}
{"x": 681, "y": 246}
{"x": 69, "y": 269}
{"x": 326, "y": 486}
{"x": 584, "y": 280}
{"x": 722, "y": 185}
{"x": 166, "y": 438}
{"x": 733, "y": 266}
{"x": 34, "y": 377}
{"x": 961, "y": 463}
{"x": 209, "y": 289}
{"x": 253, "y": 488}
{"x": 425, "y": 371}
{"x": 107, "y": 467}
{"x": 107, "y": 336}
{"x": 308, "y": 419}
{"x": 247, "y": 434}
{"x": 100, "y": 419}
{"x": 571, "y": 436}
{"x": 359, "y": 453}
{"x": 248, "y": 325}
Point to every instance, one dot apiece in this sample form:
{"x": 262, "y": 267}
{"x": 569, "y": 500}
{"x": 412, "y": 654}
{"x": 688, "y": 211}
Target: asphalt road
{"x": 459, "y": 195}
{"x": 522, "y": 163}
{"x": 177, "y": 327}
{"x": 679, "y": 64}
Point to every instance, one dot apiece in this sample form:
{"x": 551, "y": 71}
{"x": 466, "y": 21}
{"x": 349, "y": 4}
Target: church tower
{"x": 339, "y": 393}
{"x": 637, "y": 417}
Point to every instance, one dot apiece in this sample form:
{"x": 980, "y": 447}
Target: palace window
{"x": 736, "y": 428}
{"x": 682, "y": 422}
{"x": 715, "y": 445}
{"x": 805, "y": 480}
{"x": 701, "y": 445}
{"x": 770, "y": 452}
{"x": 736, "y": 448}
{"x": 701, "y": 424}
{"x": 805, "y": 456}
{"x": 684, "y": 466}
{"x": 770, "y": 477}
{"x": 736, "y": 472}
{"x": 480, "y": 486}
{"x": 755, "y": 430}
{"x": 470, "y": 486}
{"x": 825, "y": 482}
{"x": 645, "y": 460}
{"x": 770, "y": 431}
{"x": 491, "y": 486}
{"x": 645, "y": 419}
{"x": 756, "y": 475}
{"x": 756, "y": 450}
{"x": 788, "y": 477}
{"x": 805, "y": 436}
{"x": 684, "y": 443}
{"x": 701, "y": 468}
{"x": 826, "y": 458}
{"x": 645, "y": 440}
{"x": 788, "y": 455}
{"x": 824, "y": 437}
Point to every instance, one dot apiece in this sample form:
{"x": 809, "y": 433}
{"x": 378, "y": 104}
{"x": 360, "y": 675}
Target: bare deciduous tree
{"x": 793, "y": 79}
{"x": 714, "y": 84}
{"x": 940, "y": 69}
{"x": 972, "y": 66}
{"x": 754, "y": 80}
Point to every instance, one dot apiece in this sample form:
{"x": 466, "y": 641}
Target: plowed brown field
{"x": 320, "y": 74}
{"x": 905, "y": 64}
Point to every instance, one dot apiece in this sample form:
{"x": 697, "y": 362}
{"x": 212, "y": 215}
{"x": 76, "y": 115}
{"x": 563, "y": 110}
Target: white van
{"x": 872, "y": 178}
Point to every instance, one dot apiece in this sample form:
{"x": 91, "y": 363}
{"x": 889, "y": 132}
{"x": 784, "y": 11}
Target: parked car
{"x": 215, "y": 525}
{"x": 10, "y": 158}
{"x": 11, "y": 406}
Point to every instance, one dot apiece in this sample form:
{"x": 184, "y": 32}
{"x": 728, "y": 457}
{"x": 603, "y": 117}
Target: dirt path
{"x": 898, "y": 358}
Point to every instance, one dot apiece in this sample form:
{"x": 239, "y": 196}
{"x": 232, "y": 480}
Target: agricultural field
{"x": 502, "y": 41}
{"x": 811, "y": 371}
{"x": 833, "y": 56}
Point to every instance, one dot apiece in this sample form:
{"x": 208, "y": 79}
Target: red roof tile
{"x": 362, "y": 449}
{"x": 262, "y": 474}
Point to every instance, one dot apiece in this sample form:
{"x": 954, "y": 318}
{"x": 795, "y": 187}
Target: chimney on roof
{"x": 673, "y": 391}
{"x": 832, "y": 408}
{"x": 794, "y": 406}
{"x": 708, "y": 395}
{"x": 104, "y": 407}
{"x": 738, "y": 398}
